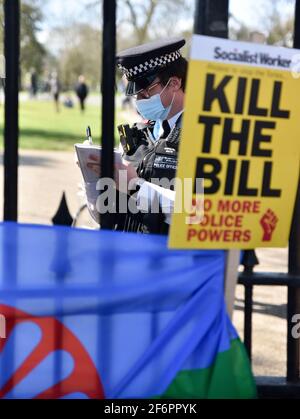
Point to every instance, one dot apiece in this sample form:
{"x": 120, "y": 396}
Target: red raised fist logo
{"x": 55, "y": 336}
{"x": 268, "y": 222}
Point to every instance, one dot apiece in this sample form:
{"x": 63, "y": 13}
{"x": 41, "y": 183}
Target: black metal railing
{"x": 11, "y": 126}
{"x": 211, "y": 19}
{"x": 289, "y": 386}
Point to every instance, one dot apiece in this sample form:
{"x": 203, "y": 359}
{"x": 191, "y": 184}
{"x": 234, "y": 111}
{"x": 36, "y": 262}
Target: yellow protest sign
{"x": 241, "y": 134}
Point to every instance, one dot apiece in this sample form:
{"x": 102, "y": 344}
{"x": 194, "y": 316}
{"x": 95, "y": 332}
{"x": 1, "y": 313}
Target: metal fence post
{"x": 249, "y": 261}
{"x": 211, "y": 18}
{"x": 293, "y": 345}
{"x": 108, "y": 97}
{"x": 11, "y": 129}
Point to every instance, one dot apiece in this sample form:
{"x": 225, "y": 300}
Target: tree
{"x": 143, "y": 20}
{"x": 239, "y": 31}
{"x": 148, "y": 18}
{"x": 279, "y": 29}
{"x": 32, "y": 51}
{"x": 277, "y": 26}
{"x": 80, "y": 53}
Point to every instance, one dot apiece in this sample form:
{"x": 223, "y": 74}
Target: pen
{"x": 89, "y": 135}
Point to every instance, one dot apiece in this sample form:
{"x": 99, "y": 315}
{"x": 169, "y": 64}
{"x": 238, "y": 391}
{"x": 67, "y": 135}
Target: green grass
{"x": 42, "y": 128}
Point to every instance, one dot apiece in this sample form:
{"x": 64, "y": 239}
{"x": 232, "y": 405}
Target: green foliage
{"x": 280, "y": 30}
{"x": 148, "y": 17}
{"x": 42, "y": 128}
{"x": 32, "y": 51}
{"x": 80, "y": 54}
{"x": 276, "y": 26}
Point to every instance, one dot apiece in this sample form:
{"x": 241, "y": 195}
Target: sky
{"x": 58, "y": 12}
{"x": 250, "y": 12}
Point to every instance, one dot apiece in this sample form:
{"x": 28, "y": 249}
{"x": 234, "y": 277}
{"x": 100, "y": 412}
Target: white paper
{"x": 84, "y": 151}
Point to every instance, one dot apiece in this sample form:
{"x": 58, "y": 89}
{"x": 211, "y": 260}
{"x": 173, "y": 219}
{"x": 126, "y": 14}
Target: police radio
{"x": 131, "y": 138}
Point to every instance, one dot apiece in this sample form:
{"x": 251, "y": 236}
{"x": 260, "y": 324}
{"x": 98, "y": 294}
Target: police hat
{"x": 142, "y": 64}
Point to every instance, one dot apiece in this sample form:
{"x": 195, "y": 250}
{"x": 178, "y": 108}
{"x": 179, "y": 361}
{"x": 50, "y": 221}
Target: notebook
{"x": 83, "y": 152}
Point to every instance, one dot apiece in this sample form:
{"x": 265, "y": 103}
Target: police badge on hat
{"x": 142, "y": 64}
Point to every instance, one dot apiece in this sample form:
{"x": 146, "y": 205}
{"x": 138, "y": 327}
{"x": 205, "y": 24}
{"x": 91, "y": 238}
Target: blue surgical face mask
{"x": 152, "y": 108}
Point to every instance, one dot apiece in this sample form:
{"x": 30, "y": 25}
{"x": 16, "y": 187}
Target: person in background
{"x": 33, "y": 83}
{"x": 68, "y": 102}
{"x": 82, "y": 92}
{"x": 55, "y": 89}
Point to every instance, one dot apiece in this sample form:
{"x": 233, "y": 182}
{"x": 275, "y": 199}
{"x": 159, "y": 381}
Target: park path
{"x": 45, "y": 175}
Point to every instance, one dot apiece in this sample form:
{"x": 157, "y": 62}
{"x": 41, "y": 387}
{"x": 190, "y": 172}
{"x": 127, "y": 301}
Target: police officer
{"x": 156, "y": 74}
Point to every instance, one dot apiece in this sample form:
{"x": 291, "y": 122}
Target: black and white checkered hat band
{"x": 150, "y": 64}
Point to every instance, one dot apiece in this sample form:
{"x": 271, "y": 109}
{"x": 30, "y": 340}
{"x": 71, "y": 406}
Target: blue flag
{"x": 98, "y": 314}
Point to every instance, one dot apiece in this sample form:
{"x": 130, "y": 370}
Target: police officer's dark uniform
{"x": 153, "y": 159}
